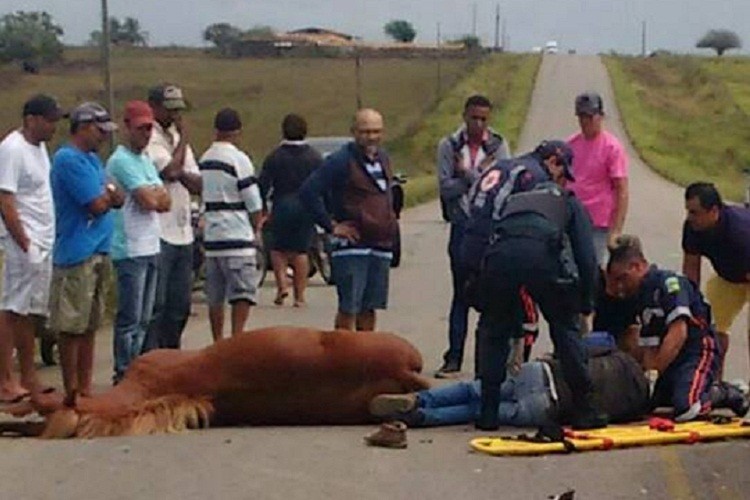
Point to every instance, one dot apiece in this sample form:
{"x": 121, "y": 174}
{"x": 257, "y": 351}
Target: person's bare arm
{"x": 691, "y": 267}
{"x": 153, "y": 198}
{"x": 618, "y": 222}
{"x": 670, "y": 347}
{"x": 113, "y": 197}
{"x": 12, "y": 221}
{"x": 176, "y": 167}
{"x": 192, "y": 181}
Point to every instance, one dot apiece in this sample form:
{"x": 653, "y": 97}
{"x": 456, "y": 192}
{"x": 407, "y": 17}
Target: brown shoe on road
{"x": 389, "y": 435}
{"x": 385, "y": 405}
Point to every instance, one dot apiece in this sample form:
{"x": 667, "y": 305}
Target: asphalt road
{"x": 332, "y": 462}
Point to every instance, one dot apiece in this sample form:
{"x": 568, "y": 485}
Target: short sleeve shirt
{"x": 175, "y": 224}
{"x": 727, "y": 246}
{"x": 666, "y": 297}
{"x": 597, "y": 163}
{"x": 24, "y": 171}
{"x": 136, "y": 229}
{"x": 78, "y": 178}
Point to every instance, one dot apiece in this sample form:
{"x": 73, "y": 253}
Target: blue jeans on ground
{"x": 136, "y": 291}
{"x": 458, "y": 318}
{"x": 525, "y": 400}
{"x": 173, "y": 295}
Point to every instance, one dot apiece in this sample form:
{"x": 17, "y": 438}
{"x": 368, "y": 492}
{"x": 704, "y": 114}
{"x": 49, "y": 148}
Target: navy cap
{"x": 562, "y": 152}
{"x": 227, "y": 120}
{"x": 43, "y": 105}
{"x": 589, "y": 103}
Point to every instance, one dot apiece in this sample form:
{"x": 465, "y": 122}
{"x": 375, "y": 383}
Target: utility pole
{"x": 358, "y": 77}
{"x": 107, "y": 68}
{"x": 439, "y": 64}
{"x": 643, "y": 39}
{"x": 474, "y": 20}
{"x": 497, "y": 28}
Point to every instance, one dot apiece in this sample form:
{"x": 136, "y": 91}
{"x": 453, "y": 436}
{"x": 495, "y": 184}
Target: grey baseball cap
{"x": 589, "y": 103}
{"x": 92, "y": 112}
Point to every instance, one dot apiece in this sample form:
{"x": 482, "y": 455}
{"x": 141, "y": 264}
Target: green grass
{"x": 262, "y": 90}
{"x": 507, "y": 79}
{"x": 687, "y": 116}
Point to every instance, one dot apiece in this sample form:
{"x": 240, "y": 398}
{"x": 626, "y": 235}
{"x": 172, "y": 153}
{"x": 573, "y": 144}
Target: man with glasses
{"x": 28, "y": 233}
{"x": 135, "y": 247}
{"x": 84, "y": 224}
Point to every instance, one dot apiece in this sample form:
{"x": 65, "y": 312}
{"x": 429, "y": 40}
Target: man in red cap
{"x": 136, "y": 246}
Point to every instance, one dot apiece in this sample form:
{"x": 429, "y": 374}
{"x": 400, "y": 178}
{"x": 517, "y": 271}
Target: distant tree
{"x": 470, "y": 42}
{"x": 30, "y": 36}
{"x": 259, "y": 32}
{"x": 720, "y": 41}
{"x": 125, "y": 32}
{"x": 400, "y": 30}
{"x": 222, "y": 35}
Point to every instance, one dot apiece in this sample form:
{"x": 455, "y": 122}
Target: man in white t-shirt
{"x": 232, "y": 204}
{"x": 28, "y": 234}
{"x": 174, "y": 159}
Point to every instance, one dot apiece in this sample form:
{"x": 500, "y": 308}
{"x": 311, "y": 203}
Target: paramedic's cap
{"x": 43, "y": 105}
{"x": 91, "y": 112}
{"x": 169, "y": 96}
{"x": 227, "y": 120}
{"x": 563, "y": 153}
{"x": 589, "y": 103}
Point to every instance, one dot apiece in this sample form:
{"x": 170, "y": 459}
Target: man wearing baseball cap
{"x": 135, "y": 246}
{"x": 28, "y": 233}
{"x": 529, "y": 233}
{"x": 600, "y": 166}
{"x": 84, "y": 199}
{"x": 174, "y": 159}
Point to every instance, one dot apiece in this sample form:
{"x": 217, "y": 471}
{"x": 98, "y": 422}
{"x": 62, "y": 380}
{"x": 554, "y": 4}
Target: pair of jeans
{"x": 136, "y": 292}
{"x": 173, "y": 296}
{"x": 458, "y": 318}
{"x": 525, "y": 400}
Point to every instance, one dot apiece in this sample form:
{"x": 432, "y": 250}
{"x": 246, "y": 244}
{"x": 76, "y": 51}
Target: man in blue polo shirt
{"x": 83, "y": 199}
{"x": 721, "y": 233}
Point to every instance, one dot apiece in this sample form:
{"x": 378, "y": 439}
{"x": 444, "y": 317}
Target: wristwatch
{"x": 111, "y": 187}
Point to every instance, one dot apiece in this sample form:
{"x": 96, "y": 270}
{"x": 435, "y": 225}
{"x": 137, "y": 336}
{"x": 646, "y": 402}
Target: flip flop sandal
{"x": 279, "y": 300}
{"x": 16, "y": 400}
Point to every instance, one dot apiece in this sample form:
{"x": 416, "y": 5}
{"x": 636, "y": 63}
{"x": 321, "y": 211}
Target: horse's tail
{"x": 172, "y": 413}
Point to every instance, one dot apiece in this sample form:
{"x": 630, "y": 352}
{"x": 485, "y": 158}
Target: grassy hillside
{"x": 263, "y": 90}
{"x": 507, "y": 79}
{"x": 688, "y": 116}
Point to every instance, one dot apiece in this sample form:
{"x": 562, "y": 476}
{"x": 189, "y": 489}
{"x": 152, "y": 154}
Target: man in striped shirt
{"x": 358, "y": 178}
{"x": 232, "y": 204}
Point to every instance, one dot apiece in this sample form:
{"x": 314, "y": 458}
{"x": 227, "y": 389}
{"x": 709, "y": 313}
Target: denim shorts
{"x": 361, "y": 281}
{"x": 231, "y": 279}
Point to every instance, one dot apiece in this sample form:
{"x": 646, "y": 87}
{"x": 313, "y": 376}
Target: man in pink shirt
{"x": 600, "y": 165}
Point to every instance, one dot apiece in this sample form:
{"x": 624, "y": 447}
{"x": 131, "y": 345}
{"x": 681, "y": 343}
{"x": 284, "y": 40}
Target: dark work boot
{"x": 489, "y": 419}
{"x": 726, "y": 395}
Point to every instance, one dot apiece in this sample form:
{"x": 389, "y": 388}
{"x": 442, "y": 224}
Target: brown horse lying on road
{"x": 271, "y": 376}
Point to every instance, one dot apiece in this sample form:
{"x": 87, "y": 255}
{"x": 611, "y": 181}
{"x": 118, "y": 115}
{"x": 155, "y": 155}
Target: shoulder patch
{"x": 490, "y": 180}
{"x": 673, "y": 284}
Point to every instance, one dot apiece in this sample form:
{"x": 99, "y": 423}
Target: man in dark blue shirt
{"x": 535, "y": 235}
{"x": 676, "y": 339}
{"x": 721, "y": 233}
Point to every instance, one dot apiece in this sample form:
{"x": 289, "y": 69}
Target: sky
{"x": 588, "y": 26}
